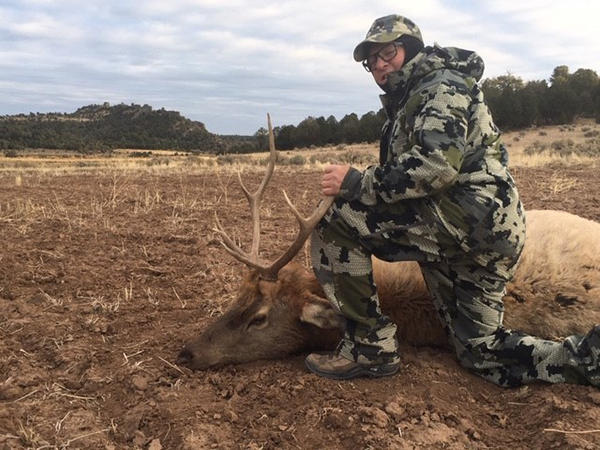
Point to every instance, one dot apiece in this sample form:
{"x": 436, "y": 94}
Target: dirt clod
{"x": 104, "y": 276}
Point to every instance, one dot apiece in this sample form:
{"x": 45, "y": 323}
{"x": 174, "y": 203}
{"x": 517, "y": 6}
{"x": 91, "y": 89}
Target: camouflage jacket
{"x": 440, "y": 145}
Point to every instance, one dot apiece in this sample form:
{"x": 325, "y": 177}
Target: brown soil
{"x": 104, "y": 276}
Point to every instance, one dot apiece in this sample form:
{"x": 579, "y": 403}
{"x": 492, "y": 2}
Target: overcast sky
{"x": 227, "y": 63}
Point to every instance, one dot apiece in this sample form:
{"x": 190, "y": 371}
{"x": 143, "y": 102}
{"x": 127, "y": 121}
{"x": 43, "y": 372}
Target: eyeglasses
{"x": 386, "y": 54}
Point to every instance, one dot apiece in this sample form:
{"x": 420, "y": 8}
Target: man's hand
{"x": 333, "y": 178}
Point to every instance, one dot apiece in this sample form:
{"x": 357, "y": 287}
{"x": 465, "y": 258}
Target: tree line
{"x": 517, "y": 104}
{"x": 514, "y": 103}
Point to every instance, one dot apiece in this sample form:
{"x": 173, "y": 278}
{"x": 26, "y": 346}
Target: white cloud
{"x": 228, "y": 63}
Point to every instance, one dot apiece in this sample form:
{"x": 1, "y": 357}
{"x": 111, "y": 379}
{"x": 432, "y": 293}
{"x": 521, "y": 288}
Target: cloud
{"x": 229, "y": 63}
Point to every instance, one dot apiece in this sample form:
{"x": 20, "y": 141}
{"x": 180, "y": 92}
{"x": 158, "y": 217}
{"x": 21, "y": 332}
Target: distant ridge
{"x": 103, "y": 128}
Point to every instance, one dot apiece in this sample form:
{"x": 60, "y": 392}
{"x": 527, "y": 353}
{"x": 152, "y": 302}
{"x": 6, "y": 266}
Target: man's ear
{"x": 318, "y": 311}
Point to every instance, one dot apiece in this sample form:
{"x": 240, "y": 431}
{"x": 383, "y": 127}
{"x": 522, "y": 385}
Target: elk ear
{"x": 319, "y": 312}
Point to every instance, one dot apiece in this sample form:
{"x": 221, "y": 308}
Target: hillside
{"x": 103, "y": 128}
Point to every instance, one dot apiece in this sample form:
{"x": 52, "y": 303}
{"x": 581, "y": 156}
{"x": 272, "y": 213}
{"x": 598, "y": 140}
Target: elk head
{"x": 280, "y": 308}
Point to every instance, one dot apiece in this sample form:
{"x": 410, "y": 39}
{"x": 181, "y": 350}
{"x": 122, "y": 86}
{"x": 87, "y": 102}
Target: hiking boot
{"x": 334, "y": 366}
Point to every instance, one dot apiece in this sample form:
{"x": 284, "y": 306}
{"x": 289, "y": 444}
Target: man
{"x": 441, "y": 195}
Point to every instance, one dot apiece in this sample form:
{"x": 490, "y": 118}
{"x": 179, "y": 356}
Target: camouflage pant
{"x": 466, "y": 295}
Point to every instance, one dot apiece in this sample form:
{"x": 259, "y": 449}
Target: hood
{"x": 430, "y": 60}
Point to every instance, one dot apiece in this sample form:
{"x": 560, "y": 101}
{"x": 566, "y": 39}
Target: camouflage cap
{"x": 386, "y": 29}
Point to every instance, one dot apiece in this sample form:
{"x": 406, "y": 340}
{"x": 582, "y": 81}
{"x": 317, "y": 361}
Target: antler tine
{"x": 306, "y": 227}
{"x": 230, "y": 246}
{"x": 252, "y": 259}
{"x": 266, "y": 271}
{"x": 255, "y": 199}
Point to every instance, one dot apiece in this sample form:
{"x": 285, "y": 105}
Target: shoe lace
{"x": 335, "y": 353}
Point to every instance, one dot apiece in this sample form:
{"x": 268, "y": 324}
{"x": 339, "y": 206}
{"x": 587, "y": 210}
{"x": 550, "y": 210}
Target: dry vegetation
{"x": 109, "y": 264}
{"x": 565, "y": 145}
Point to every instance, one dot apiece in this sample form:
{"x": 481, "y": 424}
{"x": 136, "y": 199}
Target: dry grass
{"x": 566, "y": 145}
{"x": 51, "y": 413}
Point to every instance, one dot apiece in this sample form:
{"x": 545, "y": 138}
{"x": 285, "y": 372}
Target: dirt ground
{"x": 103, "y": 277}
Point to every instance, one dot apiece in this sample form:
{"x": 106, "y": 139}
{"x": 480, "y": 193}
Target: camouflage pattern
{"x": 386, "y": 29}
{"x": 469, "y": 302}
{"x": 442, "y": 196}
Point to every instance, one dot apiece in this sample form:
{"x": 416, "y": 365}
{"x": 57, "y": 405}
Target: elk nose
{"x": 185, "y": 357}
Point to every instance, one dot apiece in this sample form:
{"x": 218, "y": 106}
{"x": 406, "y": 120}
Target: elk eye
{"x": 258, "y": 321}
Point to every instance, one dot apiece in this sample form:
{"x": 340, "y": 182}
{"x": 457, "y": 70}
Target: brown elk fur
{"x": 555, "y": 292}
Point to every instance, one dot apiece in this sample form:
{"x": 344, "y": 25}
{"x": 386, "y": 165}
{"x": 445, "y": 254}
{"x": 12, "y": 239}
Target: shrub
{"x": 590, "y": 148}
{"x": 239, "y": 159}
{"x": 297, "y": 160}
{"x": 562, "y": 145}
{"x": 536, "y": 147}
{"x": 567, "y": 147}
{"x": 353, "y": 157}
{"x": 223, "y": 160}
{"x": 325, "y": 157}
{"x": 140, "y": 154}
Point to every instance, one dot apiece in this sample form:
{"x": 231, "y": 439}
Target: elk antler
{"x": 269, "y": 271}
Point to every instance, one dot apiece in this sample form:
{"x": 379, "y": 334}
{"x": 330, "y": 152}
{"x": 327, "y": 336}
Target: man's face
{"x": 383, "y": 60}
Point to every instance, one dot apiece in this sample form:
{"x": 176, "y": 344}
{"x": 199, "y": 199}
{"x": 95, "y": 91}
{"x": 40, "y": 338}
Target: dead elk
{"x": 281, "y": 309}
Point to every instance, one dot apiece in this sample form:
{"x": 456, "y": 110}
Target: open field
{"x": 566, "y": 145}
{"x": 106, "y": 269}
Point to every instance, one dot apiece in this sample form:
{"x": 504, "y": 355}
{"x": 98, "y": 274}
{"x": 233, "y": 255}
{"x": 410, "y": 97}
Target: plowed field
{"x": 104, "y": 276}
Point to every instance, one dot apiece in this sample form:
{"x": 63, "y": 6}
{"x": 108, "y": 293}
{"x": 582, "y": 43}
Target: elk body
{"x": 281, "y": 309}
